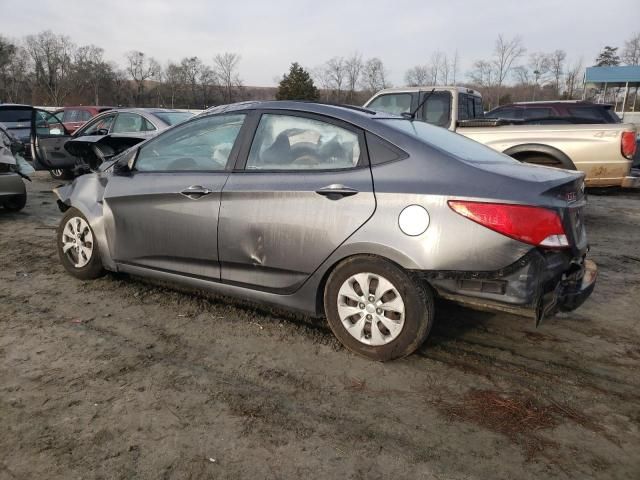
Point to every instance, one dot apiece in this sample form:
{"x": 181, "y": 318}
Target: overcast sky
{"x": 269, "y": 35}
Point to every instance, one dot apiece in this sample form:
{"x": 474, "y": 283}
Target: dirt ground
{"x": 120, "y": 378}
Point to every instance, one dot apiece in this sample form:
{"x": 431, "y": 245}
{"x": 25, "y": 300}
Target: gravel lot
{"x": 120, "y": 378}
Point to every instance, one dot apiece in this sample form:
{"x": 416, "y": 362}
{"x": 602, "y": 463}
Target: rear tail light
{"x": 628, "y": 144}
{"x": 533, "y": 225}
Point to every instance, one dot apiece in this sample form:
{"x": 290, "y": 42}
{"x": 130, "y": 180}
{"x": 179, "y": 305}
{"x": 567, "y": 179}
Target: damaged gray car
{"x": 13, "y": 170}
{"x": 362, "y": 217}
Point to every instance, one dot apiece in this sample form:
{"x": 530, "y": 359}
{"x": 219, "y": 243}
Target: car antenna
{"x": 412, "y": 115}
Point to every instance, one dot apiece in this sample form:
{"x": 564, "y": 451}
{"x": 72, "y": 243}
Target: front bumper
{"x": 537, "y": 286}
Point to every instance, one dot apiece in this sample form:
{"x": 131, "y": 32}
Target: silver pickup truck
{"x": 604, "y": 152}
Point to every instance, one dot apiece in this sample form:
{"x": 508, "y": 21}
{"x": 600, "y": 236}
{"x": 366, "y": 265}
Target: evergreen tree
{"x": 297, "y": 85}
{"x": 608, "y": 57}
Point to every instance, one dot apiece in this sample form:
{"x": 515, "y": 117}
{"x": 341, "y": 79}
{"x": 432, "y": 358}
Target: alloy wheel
{"x": 77, "y": 241}
{"x": 371, "y": 309}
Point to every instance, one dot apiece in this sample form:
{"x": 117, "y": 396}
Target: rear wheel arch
{"x": 533, "y": 151}
{"x": 351, "y": 257}
{"x": 415, "y": 313}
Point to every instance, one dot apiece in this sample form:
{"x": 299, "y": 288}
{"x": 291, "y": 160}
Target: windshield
{"x": 453, "y": 143}
{"x": 172, "y": 118}
{"x": 437, "y": 109}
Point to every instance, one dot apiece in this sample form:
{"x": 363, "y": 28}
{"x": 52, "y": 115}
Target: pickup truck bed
{"x": 591, "y": 148}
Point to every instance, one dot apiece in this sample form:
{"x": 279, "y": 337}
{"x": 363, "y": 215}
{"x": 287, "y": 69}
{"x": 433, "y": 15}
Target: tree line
{"x": 50, "y": 69}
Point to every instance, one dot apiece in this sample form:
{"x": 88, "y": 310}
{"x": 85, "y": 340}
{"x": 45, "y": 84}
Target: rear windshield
{"x": 172, "y": 118}
{"x": 453, "y": 143}
{"x": 18, "y": 115}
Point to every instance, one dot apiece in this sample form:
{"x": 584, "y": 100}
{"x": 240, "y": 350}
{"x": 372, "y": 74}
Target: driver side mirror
{"x": 102, "y": 131}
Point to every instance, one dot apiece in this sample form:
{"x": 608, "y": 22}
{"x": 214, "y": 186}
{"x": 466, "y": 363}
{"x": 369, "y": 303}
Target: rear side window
{"x": 381, "y": 151}
{"x": 284, "y": 142}
{"x": 536, "y": 112}
{"x": 469, "y": 107}
{"x": 131, "y": 122}
{"x": 507, "y": 112}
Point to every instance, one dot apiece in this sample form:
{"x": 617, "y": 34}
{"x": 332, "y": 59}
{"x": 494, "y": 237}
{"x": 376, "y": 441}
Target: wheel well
{"x": 327, "y": 273}
{"x": 546, "y": 152}
{"x": 524, "y": 156}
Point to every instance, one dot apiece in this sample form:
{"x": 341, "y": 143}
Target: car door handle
{"x": 195, "y": 192}
{"x": 336, "y": 191}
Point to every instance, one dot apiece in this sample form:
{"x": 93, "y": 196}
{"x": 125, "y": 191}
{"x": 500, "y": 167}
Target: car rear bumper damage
{"x": 537, "y": 286}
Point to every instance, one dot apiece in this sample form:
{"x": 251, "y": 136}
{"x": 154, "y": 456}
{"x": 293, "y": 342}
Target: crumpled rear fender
{"x": 85, "y": 193}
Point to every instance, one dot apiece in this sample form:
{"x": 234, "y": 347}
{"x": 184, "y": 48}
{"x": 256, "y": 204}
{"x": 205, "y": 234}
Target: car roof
{"x": 547, "y": 103}
{"x": 349, "y": 113}
{"x": 427, "y": 88}
{"x": 13, "y": 105}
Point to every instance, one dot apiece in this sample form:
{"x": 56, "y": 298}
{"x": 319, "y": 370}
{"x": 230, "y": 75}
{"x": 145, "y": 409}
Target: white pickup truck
{"x": 604, "y": 152}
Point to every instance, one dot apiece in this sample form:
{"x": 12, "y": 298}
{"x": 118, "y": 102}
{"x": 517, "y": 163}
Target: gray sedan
{"x": 341, "y": 212}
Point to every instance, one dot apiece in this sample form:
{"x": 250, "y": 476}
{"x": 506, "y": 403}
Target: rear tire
{"x": 77, "y": 246}
{"x": 15, "y": 203}
{"x": 61, "y": 174}
{"x": 389, "y": 316}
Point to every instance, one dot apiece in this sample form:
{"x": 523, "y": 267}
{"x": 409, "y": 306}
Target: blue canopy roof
{"x": 614, "y": 75}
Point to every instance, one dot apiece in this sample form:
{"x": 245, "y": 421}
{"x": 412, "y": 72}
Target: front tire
{"x": 77, "y": 246}
{"x": 15, "y": 203}
{"x": 376, "y": 309}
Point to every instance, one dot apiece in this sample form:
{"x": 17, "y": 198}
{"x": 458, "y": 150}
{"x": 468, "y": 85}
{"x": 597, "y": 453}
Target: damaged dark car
{"x": 106, "y": 135}
{"x": 362, "y": 217}
{"x": 13, "y": 171}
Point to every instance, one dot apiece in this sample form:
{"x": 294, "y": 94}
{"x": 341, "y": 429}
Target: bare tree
{"x": 631, "y": 52}
{"x": 374, "y": 75}
{"x": 207, "y": 79}
{"x": 141, "y": 68}
{"x": 121, "y": 86}
{"x": 336, "y": 73}
{"x": 18, "y": 80}
{"x": 321, "y": 75}
{"x": 191, "y": 68}
{"x": 435, "y": 66}
{"x": 92, "y": 69}
{"x": 52, "y": 57}
{"x": 572, "y": 78}
{"x": 174, "y": 79}
{"x": 226, "y": 69}
{"x": 523, "y": 74}
{"x": 484, "y": 75}
{"x": 454, "y": 67}
{"x": 556, "y": 68}
{"x": 505, "y": 53}
{"x": 418, "y": 75}
{"x": 353, "y": 68}
{"x": 539, "y": 64}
